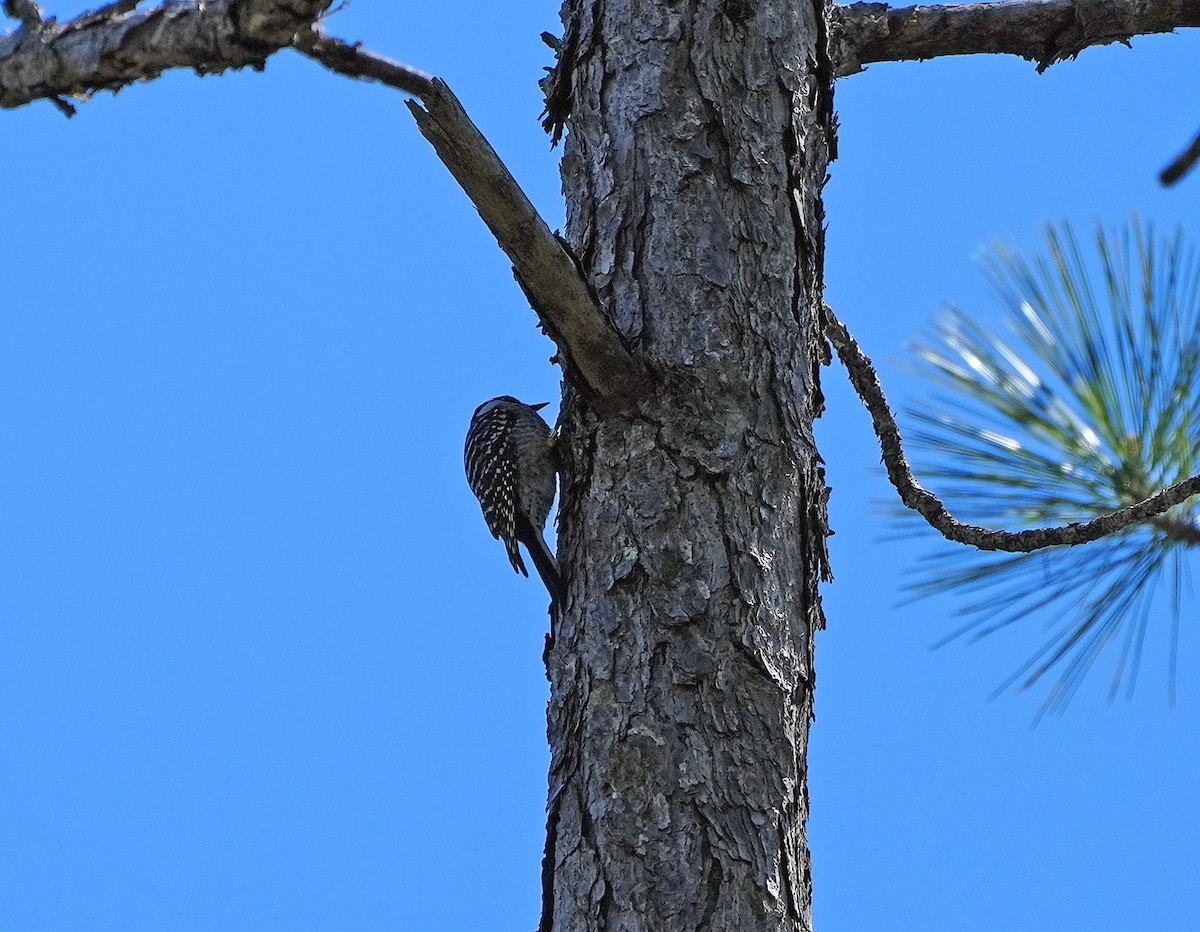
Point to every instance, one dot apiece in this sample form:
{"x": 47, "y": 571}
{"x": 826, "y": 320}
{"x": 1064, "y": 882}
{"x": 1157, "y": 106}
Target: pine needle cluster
{"x": 1086, "y": 401}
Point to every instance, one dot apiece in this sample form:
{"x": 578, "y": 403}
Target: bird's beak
{"x": 539, "y": 407}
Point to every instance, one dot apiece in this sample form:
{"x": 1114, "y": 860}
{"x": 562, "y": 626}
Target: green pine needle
{"x": 1088, "y": 401}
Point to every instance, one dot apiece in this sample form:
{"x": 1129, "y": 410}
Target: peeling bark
{"x": 693, "y": 528}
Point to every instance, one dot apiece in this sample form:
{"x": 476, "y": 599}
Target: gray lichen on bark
{"x": 681, "y": 677}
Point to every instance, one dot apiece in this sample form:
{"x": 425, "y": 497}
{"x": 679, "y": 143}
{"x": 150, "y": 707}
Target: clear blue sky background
{"x": 261, "y": 665}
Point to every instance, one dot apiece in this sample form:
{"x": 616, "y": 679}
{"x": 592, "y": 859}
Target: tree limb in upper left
{"x": 118, "y": 45}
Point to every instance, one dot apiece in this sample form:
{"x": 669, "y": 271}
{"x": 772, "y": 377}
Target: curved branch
{"x": 1041, "y": 31}
{"x": 598, "y": 360}
{"x": 117, "y": 45}
{"x": 929, "y": 506}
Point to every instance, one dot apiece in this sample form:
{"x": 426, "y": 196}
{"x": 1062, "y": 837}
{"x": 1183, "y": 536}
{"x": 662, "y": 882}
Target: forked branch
{"x": 929, "y": 506}
{"x": 1041, "y": 31}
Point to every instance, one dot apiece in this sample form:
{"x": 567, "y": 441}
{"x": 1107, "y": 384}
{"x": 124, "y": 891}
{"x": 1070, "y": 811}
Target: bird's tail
{"x": 544, "y": 562}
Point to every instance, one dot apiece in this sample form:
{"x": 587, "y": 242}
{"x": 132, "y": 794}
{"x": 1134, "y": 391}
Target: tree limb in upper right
{"x": 1045, "y": 31}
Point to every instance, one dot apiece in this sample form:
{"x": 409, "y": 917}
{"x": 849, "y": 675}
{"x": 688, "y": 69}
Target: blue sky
{"x": 261, "y": 664}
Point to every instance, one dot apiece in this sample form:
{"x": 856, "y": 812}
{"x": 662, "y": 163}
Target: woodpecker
{"x": 510, "y": 463}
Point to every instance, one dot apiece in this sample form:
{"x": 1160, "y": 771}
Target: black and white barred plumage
{"x": 511, "y": 467}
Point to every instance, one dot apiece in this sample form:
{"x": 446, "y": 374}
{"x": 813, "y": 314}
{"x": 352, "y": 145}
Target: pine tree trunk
{"x": 692, "y": 531}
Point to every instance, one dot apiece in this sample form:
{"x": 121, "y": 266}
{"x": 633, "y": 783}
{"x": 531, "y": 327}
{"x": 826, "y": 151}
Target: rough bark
{"x": 117, "y": 45}
{"x": 693, "y": 529}
{"x": 1041, "y": 31}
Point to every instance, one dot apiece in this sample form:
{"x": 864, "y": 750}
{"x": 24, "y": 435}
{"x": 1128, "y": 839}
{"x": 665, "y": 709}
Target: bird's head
{"x": 505, "y": 400}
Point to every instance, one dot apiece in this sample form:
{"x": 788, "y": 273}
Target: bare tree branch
{"x": 1182, "y": 164}
{"x": 118, "y": 45}
{"x": 592, "y": 348}
{"x": 1041, "y": 31}
{"x": 929, "y": 506}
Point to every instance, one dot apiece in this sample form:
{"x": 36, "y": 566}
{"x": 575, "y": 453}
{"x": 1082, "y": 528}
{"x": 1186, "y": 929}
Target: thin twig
{"x": 929, "y": 506}
{"x": 64, "y": 106}
{"x": 1183, "y": 163}
{"x": 352, "y": 61}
